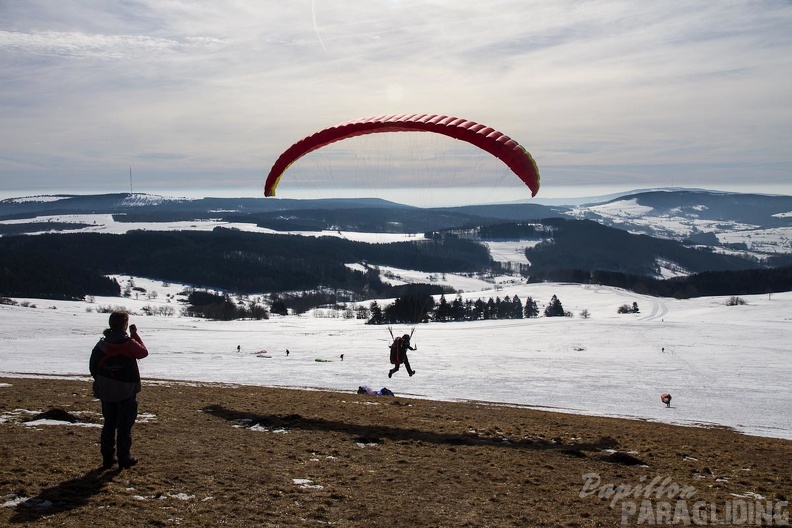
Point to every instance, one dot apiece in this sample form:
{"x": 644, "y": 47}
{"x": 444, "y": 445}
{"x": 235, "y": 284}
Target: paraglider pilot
{"x": 398, "y": 354}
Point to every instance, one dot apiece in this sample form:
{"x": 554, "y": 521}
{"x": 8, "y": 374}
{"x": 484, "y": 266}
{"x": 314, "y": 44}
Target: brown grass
{"x": 374, "y": 461}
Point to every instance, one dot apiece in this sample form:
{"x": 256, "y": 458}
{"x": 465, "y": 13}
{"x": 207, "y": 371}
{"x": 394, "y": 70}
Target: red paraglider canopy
{"x": 488, "y": 139}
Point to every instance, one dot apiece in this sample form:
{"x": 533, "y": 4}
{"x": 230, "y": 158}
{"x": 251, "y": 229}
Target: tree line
{"x": 418, "y": 307}
{"x": 70, "y": 266}
{"x": 706, "y": 284}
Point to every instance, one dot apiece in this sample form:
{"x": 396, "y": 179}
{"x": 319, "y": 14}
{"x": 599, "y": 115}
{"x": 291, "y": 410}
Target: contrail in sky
{"x": 316, "y": 28}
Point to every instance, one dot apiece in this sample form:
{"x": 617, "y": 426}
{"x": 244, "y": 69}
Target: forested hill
{"x": 587, "y": 245}
{"x": 40, "y": 266}
{"x": 73, "y": 265}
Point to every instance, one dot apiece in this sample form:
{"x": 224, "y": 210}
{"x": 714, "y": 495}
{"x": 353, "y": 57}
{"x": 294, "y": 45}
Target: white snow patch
{"x": 13, "y": 500}
{"x": 619, "y": 209}
{"x": 459, "y": 282}
{"x": 35, "y": 199}
{"x": 37, "y": 423}
{"x": 512, "y": 252}
{"x": 15, "y": 415}
{"x": 307, "y": 484}
{"x": 749, "y": 495}
{"x": 669, "y": 269}
{"x": 259, "y": 427}
{"x": 146, "y": 418}
{"x": 181, "y": 496}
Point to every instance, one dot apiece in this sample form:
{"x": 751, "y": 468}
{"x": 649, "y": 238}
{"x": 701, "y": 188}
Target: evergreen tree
{"x": 531, "y": 308}
{"x": 479, "y": 309}
{"x": 279, "y": 307}
{"x": 490, "y": 312}
{"x": 470, "y": 312}
{"x": 376, "y": 314}
{"x": 554, "y": 309}
{"x": 504, "y": 307}
{"x": 458, "y": 309}
{"x": 413, "y": 308}
{"x": 517, "y": 308}
{"x": 443, "y": 312}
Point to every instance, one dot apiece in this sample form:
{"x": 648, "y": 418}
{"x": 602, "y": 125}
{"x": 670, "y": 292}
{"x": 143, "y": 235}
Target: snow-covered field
{"x": 725, "y": 365}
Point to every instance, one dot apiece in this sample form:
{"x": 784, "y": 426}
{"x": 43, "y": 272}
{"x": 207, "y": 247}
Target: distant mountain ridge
{"x": 675, "y": 214}
{"x": 119, "y": 203}
{"x": 753, "y": 227}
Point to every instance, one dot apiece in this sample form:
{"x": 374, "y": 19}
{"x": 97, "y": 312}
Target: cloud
{"x": 223, "y": 88}
{"x": 98, "y": 46}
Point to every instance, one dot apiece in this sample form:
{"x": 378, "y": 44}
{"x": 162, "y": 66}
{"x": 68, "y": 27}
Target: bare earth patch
{"x": 219, "y": 455}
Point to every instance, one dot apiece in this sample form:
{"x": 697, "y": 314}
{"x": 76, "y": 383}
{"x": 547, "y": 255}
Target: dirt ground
{"x": 220, "y": 455}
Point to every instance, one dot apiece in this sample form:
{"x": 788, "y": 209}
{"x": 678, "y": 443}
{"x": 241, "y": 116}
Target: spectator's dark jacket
{"x": 114, "y": 366}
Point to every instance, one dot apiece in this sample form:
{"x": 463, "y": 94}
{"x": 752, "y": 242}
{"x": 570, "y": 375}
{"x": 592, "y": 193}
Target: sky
{"x": 200, "y": 97}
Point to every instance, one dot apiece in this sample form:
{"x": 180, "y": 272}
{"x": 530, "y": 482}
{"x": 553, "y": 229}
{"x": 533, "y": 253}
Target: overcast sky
{"x": 204, "y": 94}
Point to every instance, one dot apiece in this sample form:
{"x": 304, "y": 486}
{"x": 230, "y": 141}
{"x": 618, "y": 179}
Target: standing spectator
{"x": 116, "y": 376}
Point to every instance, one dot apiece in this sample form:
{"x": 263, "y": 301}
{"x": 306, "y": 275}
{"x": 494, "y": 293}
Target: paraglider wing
{"x": 488, "y": 139}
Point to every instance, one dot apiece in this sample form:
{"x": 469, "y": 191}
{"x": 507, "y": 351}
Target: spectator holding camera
{"x": 116, "y": 376}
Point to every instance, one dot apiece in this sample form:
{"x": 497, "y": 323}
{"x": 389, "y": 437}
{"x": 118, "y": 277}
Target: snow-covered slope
{"x": 724, "y": 365}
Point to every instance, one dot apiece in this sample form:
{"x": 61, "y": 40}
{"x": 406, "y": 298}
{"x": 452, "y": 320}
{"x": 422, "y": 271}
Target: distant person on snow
{"x": 398, "y": 354}
{"x": 666, "y": 398}
{"x": 114, "y": 368}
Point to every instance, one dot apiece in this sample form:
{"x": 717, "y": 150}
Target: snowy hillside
{"x": 724, "y": 365}
{"x": 641, "y": 219}
{"x": 754, "y": 225}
